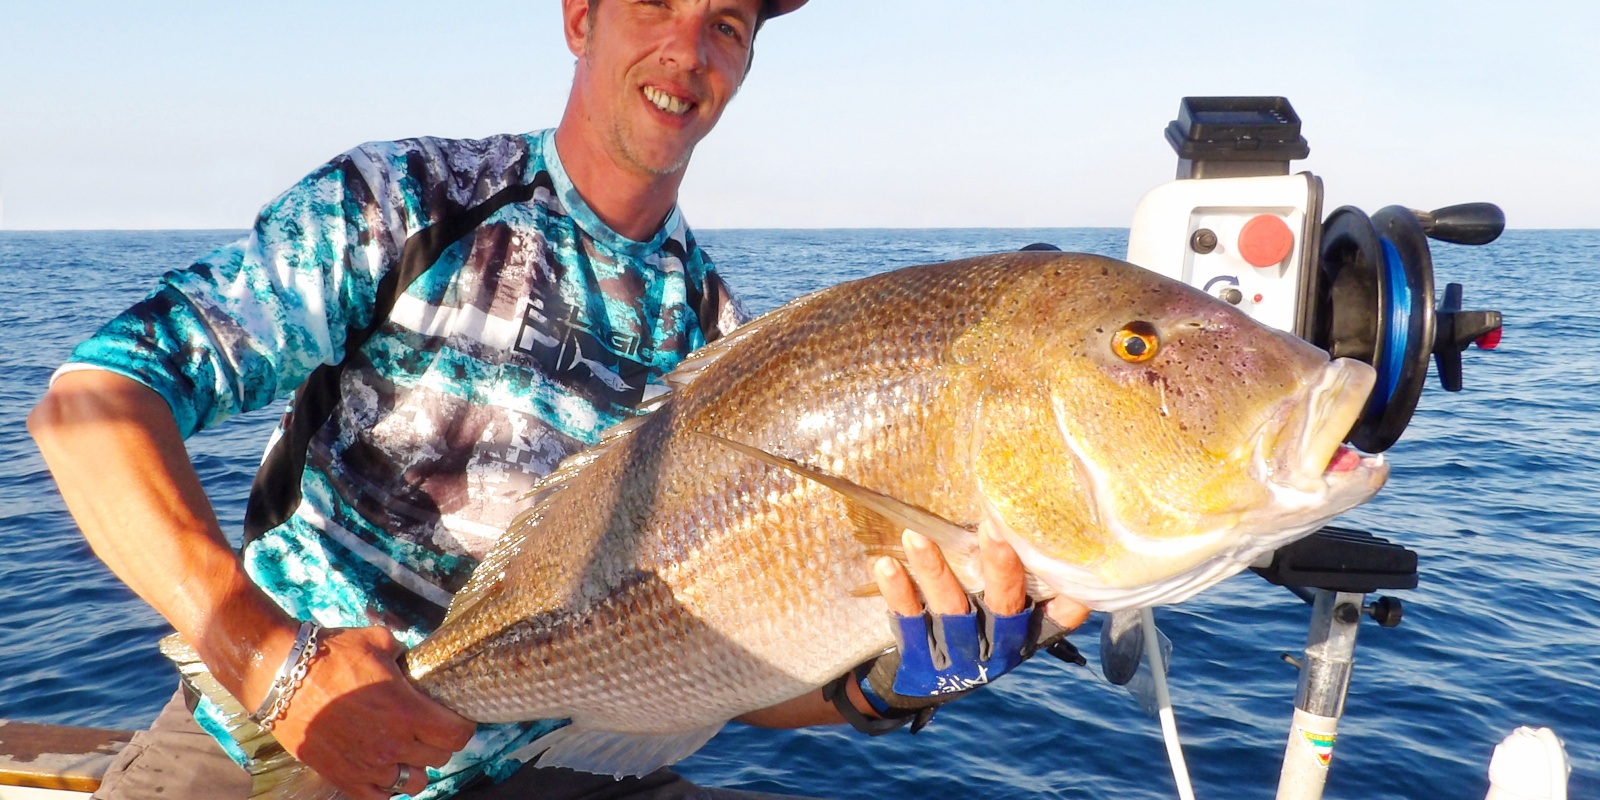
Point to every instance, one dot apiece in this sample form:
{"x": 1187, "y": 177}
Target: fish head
{"x": 1194, "y": 438}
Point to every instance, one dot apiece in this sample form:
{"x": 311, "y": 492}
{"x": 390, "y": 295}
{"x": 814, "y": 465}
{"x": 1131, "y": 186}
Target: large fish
{"x": 1133, "y": 438}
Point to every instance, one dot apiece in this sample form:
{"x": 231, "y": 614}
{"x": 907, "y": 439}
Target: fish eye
{"x": 1136, "y": 342}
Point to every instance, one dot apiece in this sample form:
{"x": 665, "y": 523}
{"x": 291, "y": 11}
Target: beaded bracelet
{"x": 289, "y": 677}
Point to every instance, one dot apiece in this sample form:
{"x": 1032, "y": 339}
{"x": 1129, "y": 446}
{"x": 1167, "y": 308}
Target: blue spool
{"x": 1398, "y": 335}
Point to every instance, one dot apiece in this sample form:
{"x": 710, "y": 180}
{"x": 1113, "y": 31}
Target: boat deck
{"x": 38, "y": 761}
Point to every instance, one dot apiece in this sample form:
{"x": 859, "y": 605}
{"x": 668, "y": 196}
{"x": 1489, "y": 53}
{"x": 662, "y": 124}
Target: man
{"x": 452, "y": 318}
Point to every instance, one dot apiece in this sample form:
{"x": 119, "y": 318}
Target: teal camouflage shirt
{"x": 522, "y": 342}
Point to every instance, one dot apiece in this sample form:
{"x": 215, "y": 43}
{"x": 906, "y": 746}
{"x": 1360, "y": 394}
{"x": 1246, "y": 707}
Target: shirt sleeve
{"x": 247, "y": 323}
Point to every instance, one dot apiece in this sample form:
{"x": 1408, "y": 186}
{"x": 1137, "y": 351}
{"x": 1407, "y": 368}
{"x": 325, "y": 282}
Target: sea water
{"x": 1496, "y": 488}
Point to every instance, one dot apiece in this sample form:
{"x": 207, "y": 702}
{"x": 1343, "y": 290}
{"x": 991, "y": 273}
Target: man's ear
{"x": 575, "y": 24}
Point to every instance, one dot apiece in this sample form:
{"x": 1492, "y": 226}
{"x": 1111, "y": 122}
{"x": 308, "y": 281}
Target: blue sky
{"x": 859, "y": 113}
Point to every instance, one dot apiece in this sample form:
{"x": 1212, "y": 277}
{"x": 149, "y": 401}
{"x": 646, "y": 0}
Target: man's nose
{"x": 685, "y": 43}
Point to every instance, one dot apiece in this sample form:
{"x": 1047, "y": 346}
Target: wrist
{"x": 865, "y": 698}
{"x": 291, "y": 673}
{"x": 846, "y": 695}
{"x": 245, "y": 646}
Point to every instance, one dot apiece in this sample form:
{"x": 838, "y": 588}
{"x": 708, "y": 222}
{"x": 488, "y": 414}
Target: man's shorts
{"x": 176, "y": 760}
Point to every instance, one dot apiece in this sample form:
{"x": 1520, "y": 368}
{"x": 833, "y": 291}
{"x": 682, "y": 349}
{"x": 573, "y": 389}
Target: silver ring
{"x": 401, "y": 780}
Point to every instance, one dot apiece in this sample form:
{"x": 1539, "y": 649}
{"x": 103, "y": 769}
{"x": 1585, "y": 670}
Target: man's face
{"x": 655, "y": 75}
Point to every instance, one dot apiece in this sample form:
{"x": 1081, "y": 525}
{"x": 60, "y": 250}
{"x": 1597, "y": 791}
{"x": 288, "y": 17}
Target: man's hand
{"x": 356, "y": 719}
{"x": 1004, "y": 593}
{"x": 946, "y": 646}
{"x": 1003, "y": 577}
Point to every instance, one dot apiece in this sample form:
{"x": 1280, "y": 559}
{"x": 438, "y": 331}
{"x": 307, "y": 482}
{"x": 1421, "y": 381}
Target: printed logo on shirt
{"x": 601, "y": 369}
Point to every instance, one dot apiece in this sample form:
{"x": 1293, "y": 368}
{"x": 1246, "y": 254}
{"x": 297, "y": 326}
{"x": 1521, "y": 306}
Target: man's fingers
{"x": 941, "y": 592}
{"x": 385, "y": 779}
{"x": 1066, "y": 612}
{"x": 421, "y": 755}
{"x": 416, "y": 779}
{"x": 1004, "y": 582}
{"x": 896, "y": 587}
{"x": 434, "y": 726}
{"x": 365, "y": 792}
{"x": 439, "y": 727}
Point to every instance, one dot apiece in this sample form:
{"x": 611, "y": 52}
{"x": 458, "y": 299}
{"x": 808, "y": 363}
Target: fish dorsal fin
{"x": 697, "y": 362}
{"x": 487, "y": 579}
{"x": 878, "y": 519}
{"x": 476, "y": 591}
{"x": 689, "y": 368}
{"x": 628, "y": 425}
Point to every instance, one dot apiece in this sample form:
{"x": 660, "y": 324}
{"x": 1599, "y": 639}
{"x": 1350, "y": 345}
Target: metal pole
{"x": 1319, "y": 702}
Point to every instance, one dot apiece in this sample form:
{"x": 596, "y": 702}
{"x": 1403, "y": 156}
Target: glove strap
{"x": 889, "y": 720}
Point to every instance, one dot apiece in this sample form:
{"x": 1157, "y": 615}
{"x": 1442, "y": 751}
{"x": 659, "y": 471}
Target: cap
{"x": 782, "y": 7}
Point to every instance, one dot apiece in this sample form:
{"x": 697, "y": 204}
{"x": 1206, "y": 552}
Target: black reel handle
{"x": 1454, "y": 330}
{"x": 1468, "y": 223}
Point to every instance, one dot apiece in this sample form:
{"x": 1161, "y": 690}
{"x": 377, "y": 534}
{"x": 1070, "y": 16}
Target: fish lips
{"x": 1309, "y": 454}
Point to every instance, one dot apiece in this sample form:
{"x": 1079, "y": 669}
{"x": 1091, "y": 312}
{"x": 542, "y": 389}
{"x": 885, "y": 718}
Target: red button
{"x": 1490, "y": 340}
{"x": 1265, "y": 240}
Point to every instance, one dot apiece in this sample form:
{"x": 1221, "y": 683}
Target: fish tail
{"x": 273, "y": 772}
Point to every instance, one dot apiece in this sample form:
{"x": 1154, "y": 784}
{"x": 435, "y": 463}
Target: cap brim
{"x": 785, "y": 6}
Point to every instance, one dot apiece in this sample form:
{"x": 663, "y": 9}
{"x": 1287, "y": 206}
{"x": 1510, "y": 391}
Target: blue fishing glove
{"x": 943, "y": 656}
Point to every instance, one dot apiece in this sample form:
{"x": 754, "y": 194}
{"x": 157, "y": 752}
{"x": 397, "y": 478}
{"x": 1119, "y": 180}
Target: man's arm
{"x": 117, "y": 455}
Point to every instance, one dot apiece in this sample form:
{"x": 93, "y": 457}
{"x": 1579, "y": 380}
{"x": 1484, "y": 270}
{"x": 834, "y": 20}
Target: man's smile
{"x": 661, "y": 99}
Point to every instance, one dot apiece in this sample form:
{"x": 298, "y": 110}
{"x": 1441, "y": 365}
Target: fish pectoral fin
{"x": 1124, "y": 658}
{"x": 867, "y": 590}
{"x": 877, "y": 517}
{"x": 878, "y": 534}
{"x": 1121, "y": 646}
{"x": 613, "y": 753}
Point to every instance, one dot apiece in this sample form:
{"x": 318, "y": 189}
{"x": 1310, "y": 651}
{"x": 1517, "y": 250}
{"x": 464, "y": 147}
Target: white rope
{"x": 1169, "y": 723}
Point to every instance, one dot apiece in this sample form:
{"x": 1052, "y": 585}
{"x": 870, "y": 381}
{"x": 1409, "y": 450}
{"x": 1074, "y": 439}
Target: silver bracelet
{"x": 289, "y": 676}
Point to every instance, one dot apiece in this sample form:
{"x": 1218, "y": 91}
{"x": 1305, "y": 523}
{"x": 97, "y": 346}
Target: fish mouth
{"x": 1309, "y": 456}
{"x": 1309, "y": 474}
